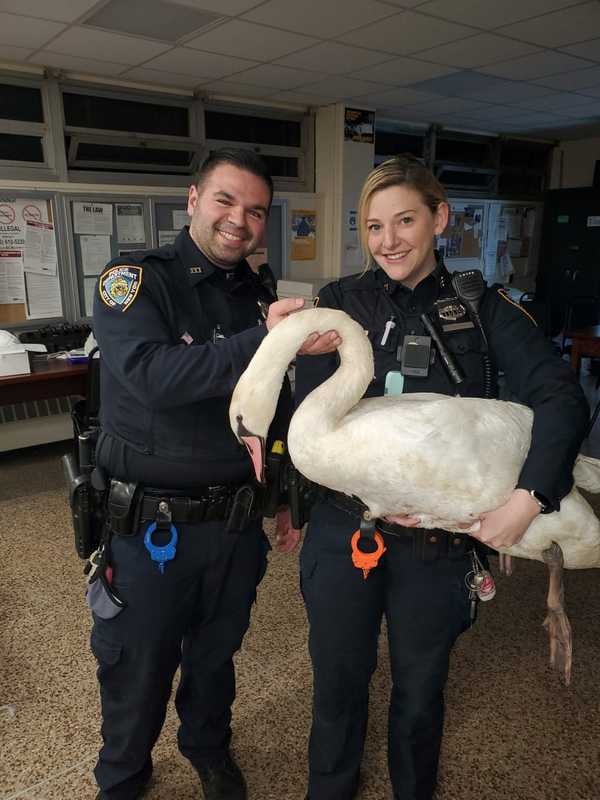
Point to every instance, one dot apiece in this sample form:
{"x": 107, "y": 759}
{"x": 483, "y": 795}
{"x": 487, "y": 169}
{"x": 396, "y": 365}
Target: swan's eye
{"x": 239, "y": 418}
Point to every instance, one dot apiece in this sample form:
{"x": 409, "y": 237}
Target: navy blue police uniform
{"x": 419, "y": 584}
{"x": 175, "y": 332}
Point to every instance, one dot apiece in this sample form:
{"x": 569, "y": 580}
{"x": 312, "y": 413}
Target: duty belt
{"x": 428, "y": 544}
{"x": 210, "y": 503}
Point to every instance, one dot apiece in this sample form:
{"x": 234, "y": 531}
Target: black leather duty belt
{"x": 428, "y": 544}
{"x": 212, "y": 503}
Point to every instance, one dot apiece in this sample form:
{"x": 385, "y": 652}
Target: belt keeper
{"x": 164, "y": 517}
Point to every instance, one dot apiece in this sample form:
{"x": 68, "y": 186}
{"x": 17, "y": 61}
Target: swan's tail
{"x": 587, "y": 474}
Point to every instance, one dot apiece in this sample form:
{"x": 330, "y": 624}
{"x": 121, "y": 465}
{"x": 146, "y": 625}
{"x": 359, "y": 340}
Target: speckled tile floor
{"x": 512, "y": 731}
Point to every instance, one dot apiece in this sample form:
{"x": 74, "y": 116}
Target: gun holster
{"x": 87, "y": 495}
{"x": 302, "y": 494}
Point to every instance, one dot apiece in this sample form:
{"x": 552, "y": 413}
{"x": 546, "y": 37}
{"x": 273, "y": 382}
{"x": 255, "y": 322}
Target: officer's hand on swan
{"x": 506, "y": 525}
{"x": 315, "y": 344}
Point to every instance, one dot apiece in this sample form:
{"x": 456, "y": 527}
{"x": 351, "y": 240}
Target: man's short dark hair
{"x": 237, "y": 157}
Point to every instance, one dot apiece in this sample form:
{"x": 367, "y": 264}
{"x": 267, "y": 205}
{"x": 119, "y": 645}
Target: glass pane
{"x": 14, "y": 147}
{"x": 394, "y": 144}
{"x": 242, "y": 128}
{"x": 21, "y": 102}
{"x": 111, "y": 114}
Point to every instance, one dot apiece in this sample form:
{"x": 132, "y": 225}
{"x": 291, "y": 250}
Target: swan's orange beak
{"x": 255, "y": 445}
{"x": 256, "y": 448}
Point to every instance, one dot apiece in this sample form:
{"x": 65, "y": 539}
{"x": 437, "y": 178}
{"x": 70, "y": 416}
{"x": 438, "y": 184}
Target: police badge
{"x": 119, "y": 286}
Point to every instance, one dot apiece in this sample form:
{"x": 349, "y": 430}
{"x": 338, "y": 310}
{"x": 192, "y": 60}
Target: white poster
{"x": 89, "y": 287}
{"x": 39, "y": 254}
{"x": 95, "y": 218}
{"x": 166, "y": 237}
{"x": 43, "y": 296}
{"x": 130, "y": 223}
{"x": 14, "y": 216}
{"x": 180, "y": 218}
{"x": 95, "y": 253}
{"x": 12, "y": 279}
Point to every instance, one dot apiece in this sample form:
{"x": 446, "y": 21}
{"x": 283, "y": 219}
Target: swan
{"x": 444, "y": 460}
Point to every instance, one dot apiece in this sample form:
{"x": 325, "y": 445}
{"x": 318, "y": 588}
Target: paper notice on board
{"x": 95, "y": 253}
{"x": 43, "y": 296}
{"x": 180, "y": 218}
{"x": 39, "y": 255}
{"x": 12, "y": 279}
{"x": 130, "y": 223}
{"x": 304, "y": 235}
{"x": 14, "y": 216}
{"x": 94, "y": 218}
{"x": 167, "y": 237}
{"x": 89, "y": 287}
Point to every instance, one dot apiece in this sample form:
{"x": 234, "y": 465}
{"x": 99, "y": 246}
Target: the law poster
{"x": 93, "y": 218}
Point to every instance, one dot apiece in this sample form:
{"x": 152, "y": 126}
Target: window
{"x": 129, "y": 133}
{"x": 282, "y": 138}
{"x": 394, "y": 143}
{"x": 24, "y": 134}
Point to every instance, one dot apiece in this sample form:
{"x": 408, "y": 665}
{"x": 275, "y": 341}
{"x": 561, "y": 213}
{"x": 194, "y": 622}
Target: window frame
{"x": 305, "y": 180}
{"x": 17, "y": 169}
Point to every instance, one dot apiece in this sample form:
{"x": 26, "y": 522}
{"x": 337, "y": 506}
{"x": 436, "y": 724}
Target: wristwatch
{"x": 545, "y": 507}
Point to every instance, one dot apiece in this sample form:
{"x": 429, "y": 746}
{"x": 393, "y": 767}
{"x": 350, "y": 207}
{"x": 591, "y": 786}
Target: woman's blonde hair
{"x": 402, "y": 170}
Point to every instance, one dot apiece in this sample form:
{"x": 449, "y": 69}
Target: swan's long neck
{"x": 330, "y": 401}
{"x": 326, "y": 405}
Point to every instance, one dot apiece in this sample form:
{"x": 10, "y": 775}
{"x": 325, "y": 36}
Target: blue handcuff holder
{"x": 162, "y": 553}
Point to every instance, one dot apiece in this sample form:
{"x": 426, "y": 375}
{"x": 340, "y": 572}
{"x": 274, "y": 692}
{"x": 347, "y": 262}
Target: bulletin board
{"x": 463, "y": 237}
{"x": 103, "y": 228}
{"x": 169, "y": 217}
{"x": 29, "y": 259}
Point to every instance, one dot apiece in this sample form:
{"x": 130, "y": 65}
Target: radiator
{"x": 35, "y": 422}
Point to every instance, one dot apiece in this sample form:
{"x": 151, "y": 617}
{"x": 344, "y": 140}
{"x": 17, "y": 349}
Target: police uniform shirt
{"x": 534, "y": 374}
{"x": 175, "y": 333}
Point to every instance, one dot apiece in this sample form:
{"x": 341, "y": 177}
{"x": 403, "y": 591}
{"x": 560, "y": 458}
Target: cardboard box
{"x": 14, "y": 362}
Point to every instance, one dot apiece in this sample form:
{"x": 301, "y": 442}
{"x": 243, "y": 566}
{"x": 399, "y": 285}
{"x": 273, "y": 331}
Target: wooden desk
{"x": 584, "y": 342}
{"x": 52, "y": 378}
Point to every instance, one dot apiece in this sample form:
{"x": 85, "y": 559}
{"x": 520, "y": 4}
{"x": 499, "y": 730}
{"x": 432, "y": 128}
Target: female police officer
{"x": 419, "y": 584}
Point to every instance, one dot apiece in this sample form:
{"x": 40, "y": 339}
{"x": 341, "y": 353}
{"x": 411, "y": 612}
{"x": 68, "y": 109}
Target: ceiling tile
{"x": 563, "y": 27}
{"x": 593, "y": 91}
{"x": 77, "y": 64}
{"x": 340, "y": 87}
{"x": 482, "y": 87}
{"x": 451, "y": 105}
{"x": 590, "y": 109}
{"x": 578, "y": 80}
{"x": 318, "y": 18}
{"x": 489, "y": 14}
{"x": 334, "y": 57}
{"x": 537, "y": 65}
{"x": 589, "y": 49}
{"x": 477, "y": 51}
{"x": 14, "y": 53}
{"x": 103, "y": 46}
{"x": 198, "y": 63}
{"x": 158, "y": 78}
{"x": 557, "y": 103}
{"x": 406, "y": 33}
{"x": 151, "y": 18}
{"x": 60, "y": 10}
{"x": 26, "y": 31}
{"x": 235, "y": 89}
{"x": 276, "y": 77}
{"x": 402, "y": 71}
{"x": 228, "y": 7}
{"x": 246, "y": 40}
{"x": 394, "y": 97}
{"x": 303, "y": 98}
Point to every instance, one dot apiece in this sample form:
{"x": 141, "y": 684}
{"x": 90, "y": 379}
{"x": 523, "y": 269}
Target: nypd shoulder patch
{"x": 119, "y": 286}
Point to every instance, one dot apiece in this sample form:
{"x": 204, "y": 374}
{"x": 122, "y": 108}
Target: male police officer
{"x": 176, "y": 327}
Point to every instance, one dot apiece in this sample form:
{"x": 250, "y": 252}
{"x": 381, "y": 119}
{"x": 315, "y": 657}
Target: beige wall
{"x": 574, "y": 162}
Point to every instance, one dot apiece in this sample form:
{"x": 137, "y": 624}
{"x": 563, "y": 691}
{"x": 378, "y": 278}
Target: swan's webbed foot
{"x": 557, "y": 622}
